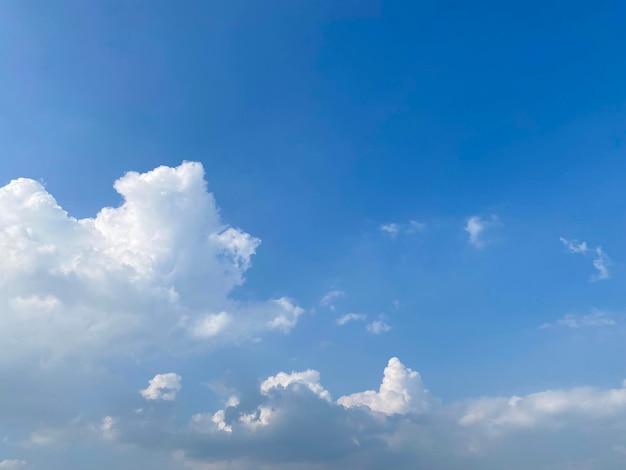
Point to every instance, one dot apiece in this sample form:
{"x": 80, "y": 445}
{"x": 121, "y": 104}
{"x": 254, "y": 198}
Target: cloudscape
{"x": 312, "y": 235}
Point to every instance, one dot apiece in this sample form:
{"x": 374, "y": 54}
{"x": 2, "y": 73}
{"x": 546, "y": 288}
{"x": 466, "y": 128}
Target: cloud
{"x": 308, "y": 378}
{"x": 400, "y": 392}
{"x": 348, "y": 317}
{"x": 291, "y": 422}
{"x": 549, "y": 407}
{"x": 574, "y": 246}
{"x": 390, "y": 229}
{"x": 601, "y": 261}
{"x": 162, "y": 387}
{"x": 329, "y": 299}
{"x": 159, "y": 269}
{"x": 377, "y": 327}
{"x": 393, "y": 229}
{"x": 12, "y": 464}
{"x": 476, "y": 227}
{"x": 596, "y": 318}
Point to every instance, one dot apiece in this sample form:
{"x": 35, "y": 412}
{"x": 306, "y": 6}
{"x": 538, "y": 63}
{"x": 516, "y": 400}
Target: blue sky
{"x": 448, "y": 175}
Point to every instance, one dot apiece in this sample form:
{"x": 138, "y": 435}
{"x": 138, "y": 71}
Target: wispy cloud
{"x": 476, "y": 227}
{"x": 348, "y": 317}
{"x": 601, "y": 262}
{"x": 394, "y": 229}
{"x": 329, "y": 299}
{"x": 574, "y": 246}
{"x": 597, "y": 318}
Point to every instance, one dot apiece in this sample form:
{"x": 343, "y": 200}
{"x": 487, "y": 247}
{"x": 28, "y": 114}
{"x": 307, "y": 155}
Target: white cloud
{"x": 476, "y": 227}
{"x": 550, "y": 407}
{"x": 158, "y": 269}
{"x": 212, "y": 325}
{"x": 574, "y": 246}
{"x": 162, "y": 387}
{"x": 393, "y": 229}
{"x": 308, "y": 378}
{"x": 400, "y": 392}
{"x": 348, "y": 317}
{"x": 601, "y": 263}
{"x": 390, "y": 229}
{"x": 12, "y": 464}
{"x": 594, "y": 319}
{"x": 329, "y": 299}
{"x": 377, "y": 327}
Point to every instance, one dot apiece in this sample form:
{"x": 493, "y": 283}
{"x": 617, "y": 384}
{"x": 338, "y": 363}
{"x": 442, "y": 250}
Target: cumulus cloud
{"x": 162, "y": 387}
{"x": 309, "y": 379}
{"x": 294, "y": 424}
{"x": 476, "y": 227}
{"x": 377, "y": 327}
{"x": 601, "y": 261}
{"x": 348, "y": 317}
{"x": 400, "y": 392}
{"x": 158, "y": 268}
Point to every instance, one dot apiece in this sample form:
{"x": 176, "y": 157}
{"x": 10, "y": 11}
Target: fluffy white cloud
{"x": 476, "y": 227}
{"x": 308, "y": 378}
{"x": 348, "y": 317}
{"x": 377, "y": 327}
{"x": 158, "y": 268}
{"x": 162, "y": 387}
{"x": 400, "y": 392}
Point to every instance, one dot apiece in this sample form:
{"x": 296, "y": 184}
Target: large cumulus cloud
{"x": 158, "y": 268}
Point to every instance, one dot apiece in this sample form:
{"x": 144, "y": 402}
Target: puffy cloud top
{"x": 162, "y": 387}
{"x": 158, "y": 267}
{"x": 400, "y": 392}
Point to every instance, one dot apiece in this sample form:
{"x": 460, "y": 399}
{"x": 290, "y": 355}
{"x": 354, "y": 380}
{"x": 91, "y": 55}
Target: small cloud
{"x": 393, "y": 229}
{"x": 162, "y": 387}
{"x": 476, "y": 227}
{"x": 377, "y": 327}
{"x": 601, "y": 262}
{"x": 390, "y": 229}
{"x": 12, "y": 464}
{"x": 597, "y": 318}
{"x": 396, "y": 304}
{"x": 574, "y": 246}
{"x": 329, "y": 299}
{"x": 348, "y": 317}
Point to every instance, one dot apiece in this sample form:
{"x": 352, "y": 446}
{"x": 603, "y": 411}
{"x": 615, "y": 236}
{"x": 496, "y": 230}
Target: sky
{"x": 312, "y": 235}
